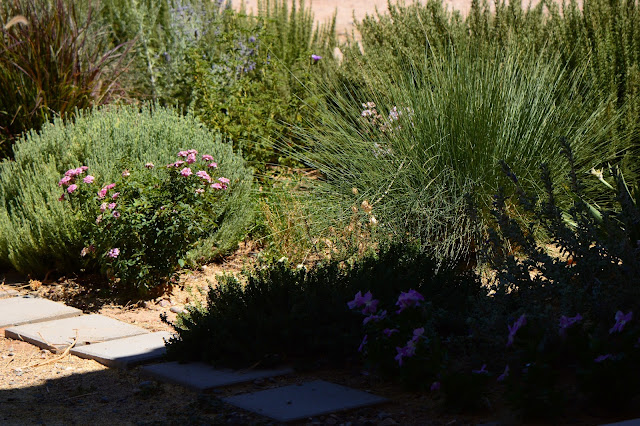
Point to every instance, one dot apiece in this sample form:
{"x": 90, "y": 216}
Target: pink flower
{"x": 103, "y": 207}
{"x": 112, "y": 206}
{"x": 178, "y": 163}
{"x": 504, "y": 375}
{"x": 88, "y": 179}
{"x": 213, "y": 165}
{"x": 116, "y": 214}
{"x": 186, "y": 172}
{"x": 216, "y": 186}
{"x": 126, "y": 173}
{"x": 191, "y": 159}
{"x": 192, "y": 152}
{"x": 204, "y": 175}
{"x": 98, "y": 219}
{"x": 521, "y": 322}
{"x": 72, "y": 188}
{"x": 183, "y": 154}
{"x": 149, "y": 165}
{"x": 115, "y": 196}
{"x": 621, "y": 320}
{"x": 65, "y": 180}
{"x": 113, "y": 253}
{"x": 73, "y": 172}
{"x": 223, "y": 180}
{"x": 409, "y": 299}
{"x": 207, "y": 157}
{"x": 110, "y": 186}
{"x": 102, "y": 193}
{"x": 84, "y": 168}
{"x": 199, "y": 191}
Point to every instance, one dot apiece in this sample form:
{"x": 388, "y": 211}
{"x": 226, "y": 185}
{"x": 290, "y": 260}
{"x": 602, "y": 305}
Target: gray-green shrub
{"x": 38, "y": 233}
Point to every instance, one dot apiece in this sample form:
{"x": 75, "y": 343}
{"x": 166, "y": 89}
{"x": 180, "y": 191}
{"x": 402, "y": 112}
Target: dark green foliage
{"x": 38, "y": 233}
{"x": 591, "y": 267}
{"x": 286, "y": 314}
{"x": 54, "y": 62}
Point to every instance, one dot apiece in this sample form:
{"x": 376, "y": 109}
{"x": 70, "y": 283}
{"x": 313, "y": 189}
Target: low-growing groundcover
{"x": 295, "y": 315}
{"x": 39, "y": 233}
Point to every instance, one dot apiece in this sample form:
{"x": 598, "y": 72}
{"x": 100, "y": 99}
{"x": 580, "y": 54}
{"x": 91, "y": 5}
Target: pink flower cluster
{"x": 190, "y": 157}
{"x": 69, "y": 179}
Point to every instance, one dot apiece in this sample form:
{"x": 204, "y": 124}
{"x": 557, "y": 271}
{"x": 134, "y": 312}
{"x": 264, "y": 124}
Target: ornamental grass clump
{"x": 39, "y": 234}
{"x": 416, "y": 147}
{"x": 139, "y": 228}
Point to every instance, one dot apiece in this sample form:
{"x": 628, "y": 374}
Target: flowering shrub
{"x": 140, "y": 227}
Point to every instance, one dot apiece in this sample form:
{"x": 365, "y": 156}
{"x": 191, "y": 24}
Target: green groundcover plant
{"x": 39, "y": 233}
{"x": 140, "y": 227}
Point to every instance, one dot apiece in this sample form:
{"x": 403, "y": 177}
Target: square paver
{"x": 202, "y": 376}
{"x": 125, "y": 352}
{"x": 305, "y": 400}
{"x": 27, "y": 310}
{"x": 7, "y": 292}
{"x": 59, "y": 334}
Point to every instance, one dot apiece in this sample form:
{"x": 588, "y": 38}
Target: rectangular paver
{"x": 305, "y": 400}
{"x": 7, "y": 292}
{"x": 202, "y": 376}
{"x": 125, "y": 352}
{"x": 26, "y": 310}
{"x": 57, "y": 335}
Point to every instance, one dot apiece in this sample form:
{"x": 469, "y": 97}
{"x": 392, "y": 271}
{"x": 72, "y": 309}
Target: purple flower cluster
{"x": 409, "y": 349}
{"x": 408, "y": 300}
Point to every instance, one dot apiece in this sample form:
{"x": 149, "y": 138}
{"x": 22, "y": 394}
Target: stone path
{"x": 62, "y": 329}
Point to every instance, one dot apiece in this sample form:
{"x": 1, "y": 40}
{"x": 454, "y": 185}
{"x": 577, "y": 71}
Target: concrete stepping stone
{"x": 5, "y": 293}
{"x": 59, "y": 334}
{"x": 125, "y": 352}
{"x": 26, "y": 310}
{"x": 633, "y": 422}
{"x": 200, "y": 376}
{"x": 295, "y": 402}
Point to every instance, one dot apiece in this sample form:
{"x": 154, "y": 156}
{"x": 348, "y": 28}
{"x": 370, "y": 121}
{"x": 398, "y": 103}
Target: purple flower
{"x": 603, "y": 358}
{"x": 405, "y": 352}
{"x": 363, "y": 343}
{"x": 113, "y": 253}
{"x": 316, "y": 58}
{"x": 435, "y": 386}
{"x": 409, "y": 299}
{"x": 515, "y": 327}
{"x": 389, "y": 331}
{"x": 483, "y": 370}
{"x": 504, "y": 375}
{"x": 621, "y": 320}
{"x": 566, "y": 322}
{"x": 375, "y": 318}
{"x": 369, "y": 303}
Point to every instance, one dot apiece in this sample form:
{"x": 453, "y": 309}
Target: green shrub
{"x": 295, "y": 315}
{"x": 139, "y": 228}
{"x": 39, "y": 233}
{"x": 417, "y": 146}
{"x": 254, "y": 78}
